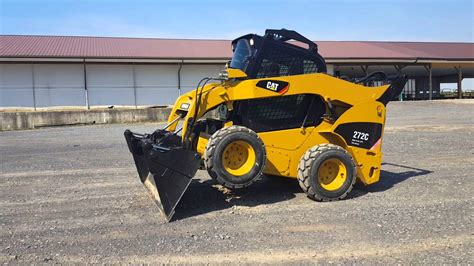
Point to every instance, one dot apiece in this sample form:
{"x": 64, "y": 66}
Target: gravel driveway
{"x": 70, "y": 195}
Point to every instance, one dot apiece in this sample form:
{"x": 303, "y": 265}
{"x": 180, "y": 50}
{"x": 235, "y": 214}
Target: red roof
{"x": 141, "y": 48}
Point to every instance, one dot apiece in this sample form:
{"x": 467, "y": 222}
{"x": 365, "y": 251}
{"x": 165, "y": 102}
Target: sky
{"x": 385, "y": 20}
{"x": 328, "y": 20}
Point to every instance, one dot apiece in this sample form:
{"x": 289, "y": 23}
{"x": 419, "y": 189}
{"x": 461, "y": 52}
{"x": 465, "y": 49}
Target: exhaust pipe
{"x": 395, "y": 89}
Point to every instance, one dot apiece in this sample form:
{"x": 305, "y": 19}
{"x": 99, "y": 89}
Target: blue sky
{"x": 376, "y": 20}
{"x": 421, "y": 20}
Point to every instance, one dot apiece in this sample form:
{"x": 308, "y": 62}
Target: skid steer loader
{"x": 279, "y": 113}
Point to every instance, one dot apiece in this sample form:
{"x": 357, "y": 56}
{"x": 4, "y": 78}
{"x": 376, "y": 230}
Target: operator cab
{"x": 273, "y": 56}
{"x": 278, "y": 53}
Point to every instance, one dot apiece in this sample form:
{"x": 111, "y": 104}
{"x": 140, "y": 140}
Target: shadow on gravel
{"x": 205, "y": 196}
{"x": 388, "y": 179}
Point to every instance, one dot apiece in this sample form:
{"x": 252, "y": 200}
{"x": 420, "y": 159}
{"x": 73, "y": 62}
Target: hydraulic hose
{"x": 197, "y": 100}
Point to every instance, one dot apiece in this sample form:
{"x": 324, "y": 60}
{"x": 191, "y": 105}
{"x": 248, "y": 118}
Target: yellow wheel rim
{"x": 332, "y": 174}
{"x": 238, "y": 158}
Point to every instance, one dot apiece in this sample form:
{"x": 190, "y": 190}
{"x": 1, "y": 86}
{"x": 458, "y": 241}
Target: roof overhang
{"x": 347, "y": 61}
{"x": 114, "y": 60}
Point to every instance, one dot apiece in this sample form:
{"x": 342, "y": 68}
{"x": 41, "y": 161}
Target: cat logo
{"x": 272, "y": 86}
{"x": 277, "y": 86}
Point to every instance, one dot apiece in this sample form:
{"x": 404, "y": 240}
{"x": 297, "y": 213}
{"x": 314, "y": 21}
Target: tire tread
{"x": 304, "y": 170}
{"x": 209, "y": 154}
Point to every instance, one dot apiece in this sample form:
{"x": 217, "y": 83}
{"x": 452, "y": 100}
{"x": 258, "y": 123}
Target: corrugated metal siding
{"x": 58, "y": 85}
{"x": 45, "y": 85}
{"x": 16, "y": 85}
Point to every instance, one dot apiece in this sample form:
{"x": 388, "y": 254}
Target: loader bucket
{"x": 164, "y": 167}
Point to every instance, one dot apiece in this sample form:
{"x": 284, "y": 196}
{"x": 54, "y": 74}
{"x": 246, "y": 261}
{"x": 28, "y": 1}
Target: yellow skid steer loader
{"x": 279, "y": 113}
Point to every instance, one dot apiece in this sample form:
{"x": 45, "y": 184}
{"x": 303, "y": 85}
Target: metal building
{"x": 45, "y": 71}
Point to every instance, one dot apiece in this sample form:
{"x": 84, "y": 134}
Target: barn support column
{"x": 430, "y": 79}
{"x": 330, "y": 69}
{"x": 399, "y": 71}
{"x": 86, "y": 92}
{"x": 459, "y": 69}
{"x": 33, "y": 85}
{"x": 365, "y": 69}
{"x": 337, "y": 73}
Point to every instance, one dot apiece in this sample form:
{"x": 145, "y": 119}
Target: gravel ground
{"x": 70, "y": 195}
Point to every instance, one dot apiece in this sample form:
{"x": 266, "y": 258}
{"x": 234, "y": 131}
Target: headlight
{"x": 184, "y": 106}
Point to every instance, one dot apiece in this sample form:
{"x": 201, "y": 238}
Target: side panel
{"x": 362, "y": 129}
{"x": 286, "y": 147}
{"x": 320, "y": 84}
{"x": 360, "y": 134}
{"x": 359, "y": 130}
{"x": 282, "y": 148}
{"x": 290, "y": 139}
{"x": 289, "y": 145}
{"x": 278, "y": 162}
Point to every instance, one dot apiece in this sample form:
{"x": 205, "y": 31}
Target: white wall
{"x": 16, "y": 85}
{"x": 113, "y": 84}
{"x": 108, "y": 84}
{"x": 192, "y": 74}
{"x": 156, "y": 84}
{"x": 59, "y": 85}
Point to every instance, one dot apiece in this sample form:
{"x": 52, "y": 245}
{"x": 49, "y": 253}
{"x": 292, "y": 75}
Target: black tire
{"x": 215, "y": 151}
{"x": 309, "y": 167}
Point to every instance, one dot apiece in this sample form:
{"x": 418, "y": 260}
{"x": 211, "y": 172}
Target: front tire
{"x": 327, "y": 172}
{"x": 235, "y": 156}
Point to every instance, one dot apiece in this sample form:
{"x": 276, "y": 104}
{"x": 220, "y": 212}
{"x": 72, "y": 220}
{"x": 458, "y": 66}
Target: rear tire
{"x": 235, "y": 156}
{"x": 327, "y": 172}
